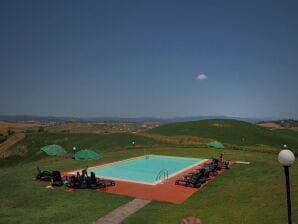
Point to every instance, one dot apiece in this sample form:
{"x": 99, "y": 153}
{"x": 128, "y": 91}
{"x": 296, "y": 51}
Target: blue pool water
{"x": 144, "y": 169}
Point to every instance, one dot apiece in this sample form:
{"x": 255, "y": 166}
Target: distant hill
{"x": 65, "y": 119}
{"x": 230, "y": 131}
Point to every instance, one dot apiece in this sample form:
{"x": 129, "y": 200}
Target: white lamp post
{"x": 287, "y": 158}
{"x": 74, "y": 149}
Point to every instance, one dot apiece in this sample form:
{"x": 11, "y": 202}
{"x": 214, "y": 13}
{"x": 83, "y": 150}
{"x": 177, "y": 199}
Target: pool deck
{"x": 166, "y": 191}
{"x": 73, "y": 172}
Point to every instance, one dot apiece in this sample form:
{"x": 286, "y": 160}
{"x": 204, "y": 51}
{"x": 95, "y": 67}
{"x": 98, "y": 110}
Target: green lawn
{"x": 101, "y": 143}
{"x": 231, "y": 131}
{"x": 244, "y": 194}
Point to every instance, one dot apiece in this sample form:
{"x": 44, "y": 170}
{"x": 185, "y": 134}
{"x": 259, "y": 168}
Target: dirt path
{"x": 121, "y": 213}
{"x": 12, "y": 140}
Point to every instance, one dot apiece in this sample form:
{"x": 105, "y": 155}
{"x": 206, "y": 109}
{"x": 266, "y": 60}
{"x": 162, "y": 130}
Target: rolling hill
{"x": 254, "y": 190}
{"x": 232, "y": 132}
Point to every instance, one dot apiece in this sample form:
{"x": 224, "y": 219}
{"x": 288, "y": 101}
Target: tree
{"x": 10, "y": 132}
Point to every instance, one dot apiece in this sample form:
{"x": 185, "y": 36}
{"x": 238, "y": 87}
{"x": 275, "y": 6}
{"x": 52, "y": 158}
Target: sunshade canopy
{"x": 216, "y": 144}
{"x": 53, "y": 150}
{"x": 86, "y": 154}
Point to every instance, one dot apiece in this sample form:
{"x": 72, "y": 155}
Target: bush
{"x": 2, "y": 138}
{"x": 10, "y": 132}
{"x": 30, "y": 130}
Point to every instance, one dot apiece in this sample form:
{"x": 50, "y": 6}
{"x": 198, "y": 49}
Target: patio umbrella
{"x": 53, "y": 150}
{"x": 216, "y": 144}
{"x": 86, "y": 154}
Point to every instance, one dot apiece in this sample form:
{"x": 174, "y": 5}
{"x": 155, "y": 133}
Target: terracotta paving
{"x": 166, "y": 192}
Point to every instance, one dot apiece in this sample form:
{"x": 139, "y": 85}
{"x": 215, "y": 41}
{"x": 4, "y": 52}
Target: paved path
{"x": 121, "y": 213}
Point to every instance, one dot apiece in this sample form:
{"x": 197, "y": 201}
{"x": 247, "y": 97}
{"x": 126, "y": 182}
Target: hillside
{"x": 249, "y": 187}
{"x": 281, "y": 124}
{"x": 9, "y": 142}
{"x": 79, "y": 127}
{"x": 27, "y": 149}
{"x": 230, "y": 131}
{"x": 16, "y": 126}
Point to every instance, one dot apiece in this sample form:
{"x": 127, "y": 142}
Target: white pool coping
{"x": 143, "y": 182}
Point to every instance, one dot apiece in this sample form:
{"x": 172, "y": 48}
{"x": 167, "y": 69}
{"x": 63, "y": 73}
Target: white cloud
{"x": 201, "y": 77}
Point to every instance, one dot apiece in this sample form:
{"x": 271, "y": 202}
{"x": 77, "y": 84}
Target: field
{"x": 99, "y": 128}
{"x": 17, "y": 126}
{"x": 252, "y": 193}
{"x": 281, "y": 124}
{"x": 13, "y": 132}
{"x": 233, "y": 132}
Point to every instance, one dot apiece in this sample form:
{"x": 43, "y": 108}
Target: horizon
{"x": 188, "y": 118}
{"x": 139, "y": 59}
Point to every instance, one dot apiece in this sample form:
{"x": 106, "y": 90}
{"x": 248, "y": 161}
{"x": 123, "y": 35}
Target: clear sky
{"x": 149, "y": 58}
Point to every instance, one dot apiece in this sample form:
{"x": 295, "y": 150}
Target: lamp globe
{"x": 286, "y": 157}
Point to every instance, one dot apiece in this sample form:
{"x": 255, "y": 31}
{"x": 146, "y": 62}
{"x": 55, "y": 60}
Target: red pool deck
{"x": 165, "y": 192}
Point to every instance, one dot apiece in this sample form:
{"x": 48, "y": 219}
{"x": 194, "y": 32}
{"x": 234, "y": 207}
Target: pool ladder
{"x": 163, "y": 174}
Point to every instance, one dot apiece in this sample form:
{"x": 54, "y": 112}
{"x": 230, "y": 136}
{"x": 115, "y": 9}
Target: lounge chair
{"x": 193, "y": 182}
{"x": 94, "y": 184}
{"x": 73, "y": 183}
{"x": 224, "y": 164}
{"x": 221, "y": 164}
{"x": 56, "y": 179}
{"x": 43, "y": 175}
{"x": 105, "y": 182}
{"x": 213, "y": 166}
{"x": 202, "y": 174}
{"x": 80, "y": 181}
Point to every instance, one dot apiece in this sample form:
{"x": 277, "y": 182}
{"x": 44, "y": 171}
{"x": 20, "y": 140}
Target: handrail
{"x": 162, "y": 173}
{"x": 158, "y": 175}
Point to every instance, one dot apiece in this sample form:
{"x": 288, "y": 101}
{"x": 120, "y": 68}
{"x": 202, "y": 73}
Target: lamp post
{"x": 74, "y": 149}
{"x": 287, "y": 158}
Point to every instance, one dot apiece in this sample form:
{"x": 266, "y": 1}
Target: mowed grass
{"x": 29, "y": 148}
{"x": 26, "y": 201}
{"x": 252, "y": 193}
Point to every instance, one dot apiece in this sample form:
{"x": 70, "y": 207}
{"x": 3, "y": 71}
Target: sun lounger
{"x": 105, "y": 182}
{"x": 43, "y": 175}
{"x": 56, "y": 179}
{"x": 84, "y": 181}
{"x": 193, "y": 182}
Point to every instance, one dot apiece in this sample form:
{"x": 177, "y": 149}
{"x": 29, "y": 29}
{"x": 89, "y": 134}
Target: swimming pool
{"x": 149, "y": 169}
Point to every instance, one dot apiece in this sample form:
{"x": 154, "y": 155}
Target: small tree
{"x": 10, "y": 132}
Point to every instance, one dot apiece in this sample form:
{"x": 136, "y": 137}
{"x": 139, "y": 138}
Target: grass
{"x": 231, "y": 131}
{"x": 244, "y": 194}
{"x": 30, "y": 146}
{"x": 26, "y": 201}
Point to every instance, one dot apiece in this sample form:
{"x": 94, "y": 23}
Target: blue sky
{"x": 142, "y": 58}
